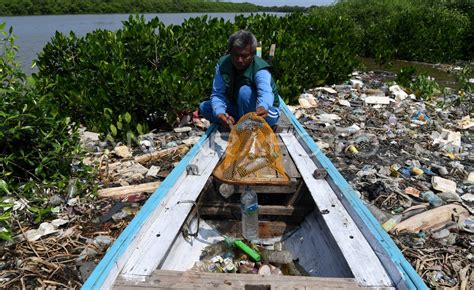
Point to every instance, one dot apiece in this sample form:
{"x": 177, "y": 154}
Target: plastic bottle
{"x": 226, "y": 190}
{"x": 432, "y": 198}
{"x": 256, "y": 164}
{"x": 72, "y": 188}
{"x": 259, "y": 49}
{"x": 379, "y": 214}
{"x": 291, "y": 269}
{"x": 467, "y": 225}
{"x": 216, "y": 249}
{"x": 392, "y": 120}
{"x": 205, "y": 266}
{"x": 277, "y": 257}
{"x": 391, "y": 223}
{"x": 253, "y": 166}
{"x": 249, "y": 206}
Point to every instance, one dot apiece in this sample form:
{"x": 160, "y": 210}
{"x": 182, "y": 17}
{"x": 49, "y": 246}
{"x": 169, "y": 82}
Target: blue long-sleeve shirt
{"x": 265, "y": 95}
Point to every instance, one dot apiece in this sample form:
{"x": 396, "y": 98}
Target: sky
{"x": 304, "y": 3}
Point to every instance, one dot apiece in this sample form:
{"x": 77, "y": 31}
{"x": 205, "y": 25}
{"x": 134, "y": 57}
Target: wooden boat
{"x": 337, "y": 241}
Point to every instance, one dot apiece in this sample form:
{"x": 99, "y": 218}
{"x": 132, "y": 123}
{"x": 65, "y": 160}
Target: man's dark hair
{"x": 241, "y": 39}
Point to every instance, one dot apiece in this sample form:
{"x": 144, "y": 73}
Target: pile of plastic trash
{"x": 236, "y": 256}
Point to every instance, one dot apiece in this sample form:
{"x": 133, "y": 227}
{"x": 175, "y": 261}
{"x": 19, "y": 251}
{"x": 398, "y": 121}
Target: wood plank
{"x": 271, "y": 189}
{"x": 433, "y": 219}
{"x": 163, "y": 279}
{"x": 124, "y": 191}
{"x": 234, "y": 209}
{"x": 398, "y": 267}
{"x": 154, "y": 239}
{"x": 124, "y": 257}
{"x": 360, "y": 257}
{"x": 296, "y": 196}
{"x": 290, "y": 166}
{"x": 266, "y": 229}
{"x": 148, "y": 157}
{"x": 106, "y": 272}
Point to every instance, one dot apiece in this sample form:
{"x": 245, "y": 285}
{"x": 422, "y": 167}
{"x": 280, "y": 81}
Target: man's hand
{"x": 261, "y": 112}
{"x": 226, "y": 119}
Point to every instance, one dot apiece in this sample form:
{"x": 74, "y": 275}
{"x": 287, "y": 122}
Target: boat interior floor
{"x": 306, "y": 215}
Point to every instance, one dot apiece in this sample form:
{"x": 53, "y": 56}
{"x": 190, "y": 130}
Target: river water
{"x": 33, "y": 32}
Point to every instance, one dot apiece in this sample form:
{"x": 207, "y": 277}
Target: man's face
{"x": 241, "y": 57}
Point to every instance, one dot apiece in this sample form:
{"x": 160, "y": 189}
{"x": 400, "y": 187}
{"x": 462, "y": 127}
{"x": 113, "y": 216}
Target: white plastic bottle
{"x": 249, "y": 205}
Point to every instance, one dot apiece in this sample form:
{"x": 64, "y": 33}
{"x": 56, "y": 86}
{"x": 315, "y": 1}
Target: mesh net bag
{"x": 253, "y": 156}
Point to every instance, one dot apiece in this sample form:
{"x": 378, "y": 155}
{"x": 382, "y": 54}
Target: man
{"x": 242, "y": 84}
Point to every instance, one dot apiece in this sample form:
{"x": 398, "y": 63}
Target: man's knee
{"x": 205, "y": 109}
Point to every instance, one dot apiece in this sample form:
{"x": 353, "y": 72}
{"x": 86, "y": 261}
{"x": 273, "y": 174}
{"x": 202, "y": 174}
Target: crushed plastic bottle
{"x": 291, "y": 269}
{"x": 392, "y": 120}
{"x": 216, "y": 249}
{"x": 391, "y": 223}
{"x": 277, "y": 257}
{"x": 226, "y": 190}
{"x": 252, "y": 166}
{"x": 205, "y": 266}
{"x": 256, "y": 164}
{"x": 467, "y": 225}
{"x": 380, "y": 215}
{"x": 249, "y": 206}
{"x": 432, "y": 198}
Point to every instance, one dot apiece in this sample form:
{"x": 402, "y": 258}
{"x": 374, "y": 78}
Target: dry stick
{"x": 417, "y": 265}
{"x": 99, "y": 233}
{"x": 27, "y": 171}
{"x": 55, "y": 283}
{"x": 64, "y": 247}
{"x": 44, "y": 262}
{"x": 154, "y": 155}
{"x": 41, "y": 282}
{"x": 4, "y": 286}
{"x": 24, "y": 235}
{"x": 45, "y": 248}
{"x": 54, "y": 272}
{"x": 388, "y": 198}
{"x": 70, "y": 260}
{"x": 402, "y": 194}
{"x": 106, "y": 177}
{"x": 101, "y": 159}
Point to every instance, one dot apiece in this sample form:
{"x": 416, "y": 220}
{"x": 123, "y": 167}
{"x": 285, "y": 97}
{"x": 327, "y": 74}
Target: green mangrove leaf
{"x": 139, "y": 129}
{"x": 128, "y": 118}
{"x": 4, "y": 186}
{"x": 113, "y": 129}
{"x": 5, "y": 216}
{"x": 5, "y": 234}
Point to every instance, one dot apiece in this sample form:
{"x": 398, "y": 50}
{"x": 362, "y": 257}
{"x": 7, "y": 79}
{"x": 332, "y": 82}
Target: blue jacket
{"x": 263, "y": 85}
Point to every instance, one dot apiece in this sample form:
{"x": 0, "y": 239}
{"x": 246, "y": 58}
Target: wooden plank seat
{"x": 166, "y": 279}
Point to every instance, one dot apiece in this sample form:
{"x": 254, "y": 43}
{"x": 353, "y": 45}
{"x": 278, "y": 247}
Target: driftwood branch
{"x": 123, "y": 191}
{"x": 149, "y": 156}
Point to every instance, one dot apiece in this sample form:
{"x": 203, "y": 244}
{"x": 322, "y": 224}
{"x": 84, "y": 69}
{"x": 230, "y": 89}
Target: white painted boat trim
{"x": 155, "y": 237}
{"x": 348, "y": 237}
